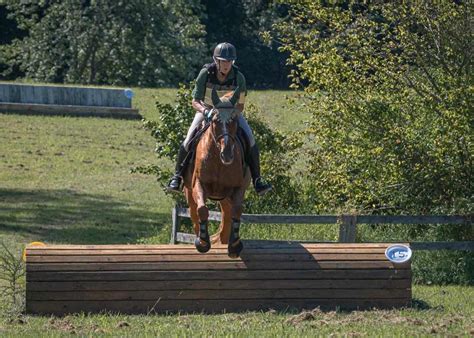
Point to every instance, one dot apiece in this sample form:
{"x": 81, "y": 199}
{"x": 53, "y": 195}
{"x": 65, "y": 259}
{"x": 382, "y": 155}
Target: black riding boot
{"x": 254, "y": 163}
{"x": 181, "y": 164}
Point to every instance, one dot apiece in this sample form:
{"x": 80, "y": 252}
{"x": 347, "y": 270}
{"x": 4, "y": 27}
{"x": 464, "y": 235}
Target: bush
{"x": 12, "y": 281}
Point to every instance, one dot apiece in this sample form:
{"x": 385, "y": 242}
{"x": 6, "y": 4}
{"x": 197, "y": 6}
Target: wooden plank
{"x": 218, "y": 275}
{"x": 247, "y": 258}
{"x": 173, "y": 266}
{"x": 182, "y": 237}
{"x": 48, "y": 109}
{"x": 348, "y": 229}
{"x": 332, "y": 219}
{"x": 207, "y": 306}
{"x": 175, "y": 225}
{"x": 217, "y": 294}
{"x": 255, "y": 244}
{"x": 193, "y": 251}
{"x": 262, "y": 218}
{"x": 177, "y": 247}
{"x": 255, "y": 284}
{"x": 415, "y": 219}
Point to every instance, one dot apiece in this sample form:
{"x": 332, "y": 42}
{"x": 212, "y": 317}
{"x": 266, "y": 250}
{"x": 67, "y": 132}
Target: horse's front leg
{"x": 235, "y": 245}
{"x": 202, "y": 241}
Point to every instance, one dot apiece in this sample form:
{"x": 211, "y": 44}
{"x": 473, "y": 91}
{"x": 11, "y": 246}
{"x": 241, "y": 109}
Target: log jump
{"x": 137, "y": 279}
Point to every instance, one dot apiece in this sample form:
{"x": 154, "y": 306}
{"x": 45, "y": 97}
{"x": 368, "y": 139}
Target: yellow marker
{"x": 32, "y": 244}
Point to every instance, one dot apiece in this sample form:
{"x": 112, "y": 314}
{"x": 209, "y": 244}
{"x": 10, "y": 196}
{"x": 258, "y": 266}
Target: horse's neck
{"x": 207, "y": 146}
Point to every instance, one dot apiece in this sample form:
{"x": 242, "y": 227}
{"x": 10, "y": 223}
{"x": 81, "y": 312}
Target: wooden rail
{"x": 65, "y": 100}
{"x": 347, "y": 225}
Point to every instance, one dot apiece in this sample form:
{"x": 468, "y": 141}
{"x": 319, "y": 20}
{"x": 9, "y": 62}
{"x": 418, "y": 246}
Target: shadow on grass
{"x": 65, "y": 216}
{"x": 419, "y": 304}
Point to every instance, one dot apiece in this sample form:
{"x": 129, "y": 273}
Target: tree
{"x": 389, "y": 86}
{"x": 390, "y": 89}
{"x": 240, "y": 22}
{"x": 135, "y": 42}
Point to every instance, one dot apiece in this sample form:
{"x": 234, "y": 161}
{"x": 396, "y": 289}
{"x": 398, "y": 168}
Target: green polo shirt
{"x": 201, "y": 92}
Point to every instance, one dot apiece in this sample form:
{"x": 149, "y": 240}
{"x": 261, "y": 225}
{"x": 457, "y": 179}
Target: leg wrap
{"x": 235, "y": 244}
{"x": 203, "y": 233}
{"x": 235, "y": 229}
{"x": 202, "y": 241}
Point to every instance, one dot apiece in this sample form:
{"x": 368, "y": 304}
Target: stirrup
{"x": 173, "y": 187}
{"x": 261, "y": 188}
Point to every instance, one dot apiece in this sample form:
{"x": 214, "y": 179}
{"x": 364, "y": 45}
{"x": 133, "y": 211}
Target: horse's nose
{"x": 226, "y": 160}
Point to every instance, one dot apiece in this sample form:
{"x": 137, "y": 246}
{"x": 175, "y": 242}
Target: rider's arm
{"x": 199, "y": 91}
{"x": 243, "y": 92}
{"x": 199, "y": 106}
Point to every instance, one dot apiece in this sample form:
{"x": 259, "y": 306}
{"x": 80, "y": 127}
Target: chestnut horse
{"x": 218, "y": 174}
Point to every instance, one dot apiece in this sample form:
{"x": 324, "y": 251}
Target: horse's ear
{"x": 215, "y": 98}
{"x": 235, "y": 96}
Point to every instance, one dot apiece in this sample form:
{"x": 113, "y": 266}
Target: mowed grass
{"x": 68, "y": 180}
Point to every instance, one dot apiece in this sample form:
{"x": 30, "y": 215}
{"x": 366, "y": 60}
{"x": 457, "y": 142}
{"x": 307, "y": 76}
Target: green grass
{"x": 68, "y": 180}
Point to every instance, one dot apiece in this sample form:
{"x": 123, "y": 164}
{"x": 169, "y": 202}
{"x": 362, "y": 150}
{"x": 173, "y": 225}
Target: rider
{"x": 223, "y": 75}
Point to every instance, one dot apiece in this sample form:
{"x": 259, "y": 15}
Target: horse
{"x": 218, "y": 174}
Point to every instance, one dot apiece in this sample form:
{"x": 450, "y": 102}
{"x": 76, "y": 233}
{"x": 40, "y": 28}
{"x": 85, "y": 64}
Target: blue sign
{"x": 128, "y": 93}
{"x": 398, "y": 253}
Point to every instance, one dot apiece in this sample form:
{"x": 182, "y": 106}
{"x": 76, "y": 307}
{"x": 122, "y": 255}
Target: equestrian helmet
{"x": 225, "y": 51}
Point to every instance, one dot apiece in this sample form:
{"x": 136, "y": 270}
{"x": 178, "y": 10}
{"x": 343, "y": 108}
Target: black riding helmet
{"x": 225, "y": 51}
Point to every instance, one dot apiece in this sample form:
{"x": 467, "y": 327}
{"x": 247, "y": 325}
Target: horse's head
{"x": 224, "y": 124}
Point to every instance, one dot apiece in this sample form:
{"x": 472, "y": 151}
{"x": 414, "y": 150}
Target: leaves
{"x": 390, "y": 97}
{"x": 137, "y": 42}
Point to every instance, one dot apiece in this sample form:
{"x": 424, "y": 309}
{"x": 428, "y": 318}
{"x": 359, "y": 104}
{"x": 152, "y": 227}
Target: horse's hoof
{"x": 233, "y": 250}
{"x": 200, "y": 247}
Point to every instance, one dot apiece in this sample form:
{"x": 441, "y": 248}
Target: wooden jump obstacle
{"x": 66, "y": 100}
{"x": 134, "y": 279}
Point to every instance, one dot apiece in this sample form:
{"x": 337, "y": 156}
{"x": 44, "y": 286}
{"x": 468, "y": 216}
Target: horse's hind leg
{"x": 235, "y": 245}
{"x": 202, "y": 241}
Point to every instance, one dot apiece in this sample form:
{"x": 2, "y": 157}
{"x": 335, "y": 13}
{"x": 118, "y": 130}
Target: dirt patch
{"x": 304, "y": 316}
{"x": 62, "y": 324}
{"x": 123, "y": 324}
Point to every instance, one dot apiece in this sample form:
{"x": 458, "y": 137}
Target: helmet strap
{"x": 218, "y": 65}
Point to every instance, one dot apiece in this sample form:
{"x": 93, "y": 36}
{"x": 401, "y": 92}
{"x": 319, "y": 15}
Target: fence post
{"x": 348, "y": 228}
{"x": 175, "y": 224}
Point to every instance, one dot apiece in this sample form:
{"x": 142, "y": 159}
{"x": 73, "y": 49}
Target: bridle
{"x": 225, "y": 133}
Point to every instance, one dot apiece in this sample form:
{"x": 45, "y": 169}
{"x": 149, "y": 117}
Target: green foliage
{"x": 392, "y": 124}
{"x": 170, "y": 131}
{"x": 136, "y": 42}
{"x": 240, "y": 22}
{"x": 390, "y": 90}
{"x": 12, "y": 281}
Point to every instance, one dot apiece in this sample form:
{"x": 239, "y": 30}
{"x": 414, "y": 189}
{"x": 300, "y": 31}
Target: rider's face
{"x": 225, "y": 66}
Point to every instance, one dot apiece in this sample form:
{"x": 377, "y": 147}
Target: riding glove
{"x": 208, "y": 113}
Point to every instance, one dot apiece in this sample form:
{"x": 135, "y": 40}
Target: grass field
{"x": 68, "y": 180}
